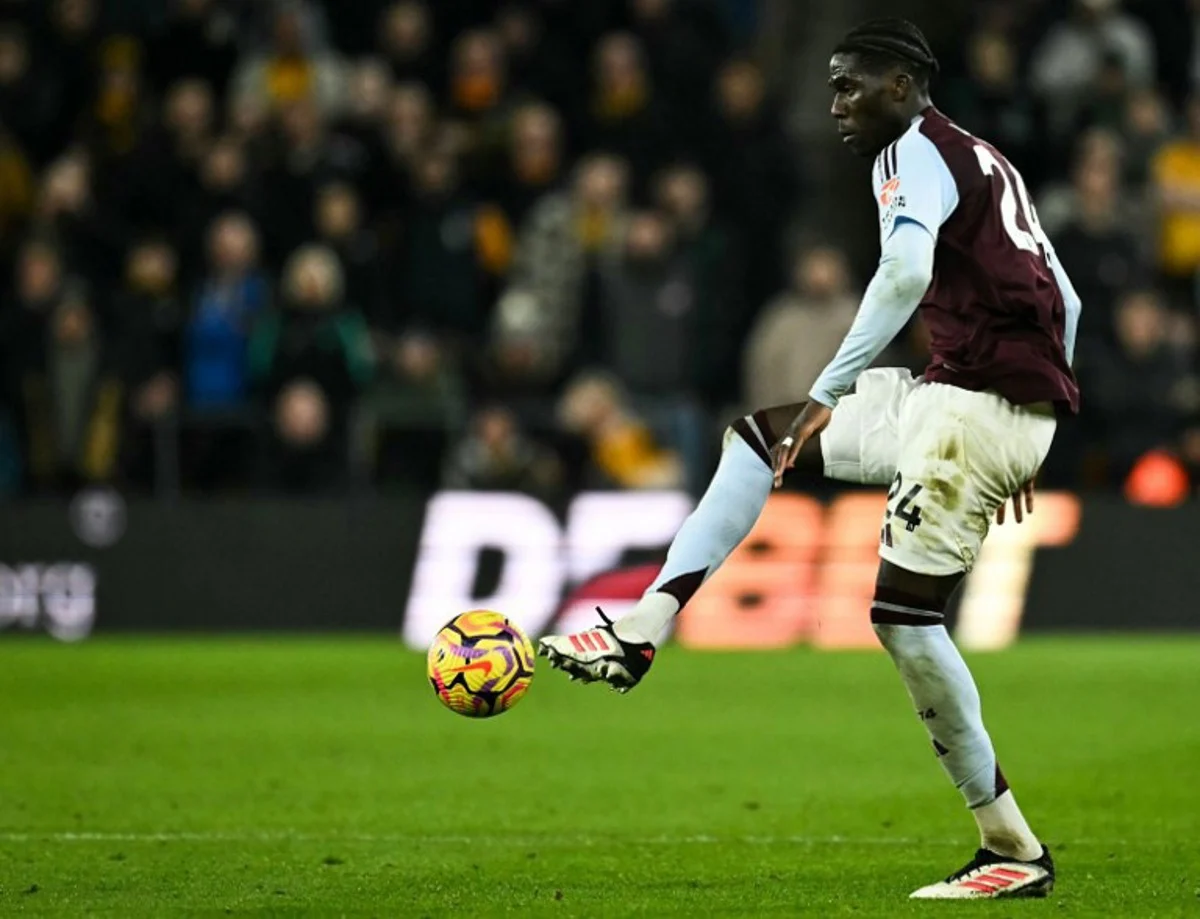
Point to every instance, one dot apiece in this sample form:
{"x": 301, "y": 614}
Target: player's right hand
{"x": 1022, "y": 503}
{"x": 812, "y": 420}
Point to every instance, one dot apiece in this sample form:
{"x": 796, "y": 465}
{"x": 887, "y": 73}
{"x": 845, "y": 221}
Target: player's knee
{"x": 746, "y": 430}
{"x": 908, "y": 598}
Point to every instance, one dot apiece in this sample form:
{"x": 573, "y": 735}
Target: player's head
{"x": 879, "y": 73}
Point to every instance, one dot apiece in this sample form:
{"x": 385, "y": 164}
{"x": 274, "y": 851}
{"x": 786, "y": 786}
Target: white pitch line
{"x": 516, "y": 841}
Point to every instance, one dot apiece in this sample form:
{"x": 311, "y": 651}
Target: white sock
{"x": 947, "y": 702}
{"x": 724, "y": 517}
{"x": 1003, "y": 829}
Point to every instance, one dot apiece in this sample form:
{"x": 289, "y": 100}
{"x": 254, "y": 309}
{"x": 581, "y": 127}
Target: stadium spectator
{"x": 540, "y": 62}
{"x": 68, "y": 403}
{"x": 1176, "y": 171}
{"x": 30, "y": 96}
{"x": 92, "y": 238}
{"x": 623, "y": 450}
{"x": 117, "y": 118}
{"x": 496, "y": 455}
{"x": 407, "y": 41}
{"x": 755, "y": 172}
{"x": 147, "y": 318}
{"x": 159, "y": 182}
{"x": 478, "y": 87}
{"x": 340, "y": 226}
{"x": 683, "y": 44}
{"x": 293, "y": 69}
{"x": 1099, "y": 153}
{"x": 625, "y": 116}
{"x": 230, "y": 299}
{"x": 647, "y": 309}
{"x": 225, "y": 185}
{"x": 1071, "y": 58}
{"x": 537, "y": 332}
{"x": 1146, "y": 129}
{"x": 793, "y": 338}
{"x": 414, "y": 410}
{"x": 309, "y": 361}
{"x": 72, "y": 45}
{"x": 649, "y": 332}
{"x": 410, "y": 124}
{"x": 453, "y": 248}
{"x": 1098, "y": 246}
{"x": 714, "y": 258}
{"x": 370, "y": 94}
{"x": 308, "y": 155}
{"x": 1141, "y": 389}
{"x": 534, "y": 165}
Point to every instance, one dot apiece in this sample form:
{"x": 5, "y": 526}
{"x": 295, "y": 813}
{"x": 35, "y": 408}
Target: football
{"x": 480, "y": 664}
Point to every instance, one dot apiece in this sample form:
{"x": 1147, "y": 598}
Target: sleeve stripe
{"x": 895, "y": 157}
{"x": 887, "y": 162}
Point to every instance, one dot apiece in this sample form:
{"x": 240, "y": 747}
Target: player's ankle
{"x": 1004, "y": 830}
{"x": 1022, "y": 849}
{"x": 649, "y": 621}
{"x": 631, "y": 634}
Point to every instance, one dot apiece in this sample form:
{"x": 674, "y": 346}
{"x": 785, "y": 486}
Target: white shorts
{"x": 949, "y": 455}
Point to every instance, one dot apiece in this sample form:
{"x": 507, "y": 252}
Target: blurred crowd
{"x": 305, "y": 244}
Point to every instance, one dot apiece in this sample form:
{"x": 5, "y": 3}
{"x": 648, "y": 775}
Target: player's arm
{"x": 904, "y": 273}
{"x": 916, "y": 193}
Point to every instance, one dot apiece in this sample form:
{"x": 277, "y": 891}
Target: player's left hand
{"x": 812, "y": 420}
{"x": 1022, "y": 503}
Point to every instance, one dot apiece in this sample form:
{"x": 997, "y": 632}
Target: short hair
{"x": 883, "y": 43}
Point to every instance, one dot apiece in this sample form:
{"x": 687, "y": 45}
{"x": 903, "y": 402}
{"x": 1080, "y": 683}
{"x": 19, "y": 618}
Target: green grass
{"x": 320, "y": 777}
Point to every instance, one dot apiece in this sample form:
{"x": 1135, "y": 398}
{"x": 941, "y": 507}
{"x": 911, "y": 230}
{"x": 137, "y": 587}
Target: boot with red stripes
{"x": 989, "y": 876}
{"x": 598, "y": 655}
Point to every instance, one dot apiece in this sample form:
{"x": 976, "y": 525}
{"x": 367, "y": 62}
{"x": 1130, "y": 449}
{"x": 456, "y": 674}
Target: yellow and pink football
{"x": 480, "y": 664}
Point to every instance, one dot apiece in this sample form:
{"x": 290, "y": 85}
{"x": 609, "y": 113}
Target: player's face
{"x": 863, "y": 106}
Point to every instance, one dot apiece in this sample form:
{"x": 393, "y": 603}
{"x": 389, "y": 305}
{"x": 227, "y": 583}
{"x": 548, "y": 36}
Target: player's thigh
{"x": 961, "y": 455}
{"x": 862, "y": 443}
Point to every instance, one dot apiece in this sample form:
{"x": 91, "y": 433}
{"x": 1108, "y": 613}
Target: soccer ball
{"x": 480, "y": 664}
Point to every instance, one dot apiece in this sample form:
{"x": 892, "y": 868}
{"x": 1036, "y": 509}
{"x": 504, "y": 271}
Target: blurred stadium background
{"x": 278, "y": 272}
{"x": 346, "y": 315}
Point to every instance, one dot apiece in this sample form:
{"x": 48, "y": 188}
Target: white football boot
{"x": 989, "y": 876}
{"x": 598, "y": 655}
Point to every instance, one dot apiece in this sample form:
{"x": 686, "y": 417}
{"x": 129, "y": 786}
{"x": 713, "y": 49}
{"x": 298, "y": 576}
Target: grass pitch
{"x": 145, "y": 777}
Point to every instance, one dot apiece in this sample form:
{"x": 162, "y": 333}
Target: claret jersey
{"x": 995, "y": 311}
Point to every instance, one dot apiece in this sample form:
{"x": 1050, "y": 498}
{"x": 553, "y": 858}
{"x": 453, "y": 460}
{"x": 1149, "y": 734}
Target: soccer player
{"x": 960, "y": 240}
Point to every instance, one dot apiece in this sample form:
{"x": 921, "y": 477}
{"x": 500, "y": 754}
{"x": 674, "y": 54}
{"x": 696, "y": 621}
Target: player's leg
{"x": 860, "y": 445}
{"x": 725, "y": 515}
{"x": 621, "y": 652}
{"x": 908, "y": 613}
{"x": 961, "y": 455}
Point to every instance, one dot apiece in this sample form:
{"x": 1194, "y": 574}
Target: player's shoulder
{"x": 954, "y": 145}
{"x": 943, "y": 132}
{"x": 913, "y": 152}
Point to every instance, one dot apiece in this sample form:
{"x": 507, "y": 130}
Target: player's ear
{"x": 902, "y": 86}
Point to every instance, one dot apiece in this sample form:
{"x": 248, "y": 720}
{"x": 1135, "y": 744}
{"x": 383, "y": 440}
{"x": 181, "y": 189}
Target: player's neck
{"x": 908, "y": 114}
{"x": 917, "y": 106}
